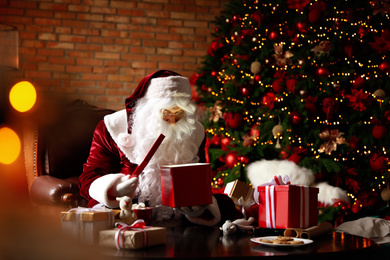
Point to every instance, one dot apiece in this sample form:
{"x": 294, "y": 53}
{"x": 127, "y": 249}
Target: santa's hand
{"x": 195, "y": 216}
{"x": 124, "y": 186}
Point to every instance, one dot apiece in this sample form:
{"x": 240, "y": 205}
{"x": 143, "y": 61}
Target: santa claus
{"x": 161, "y": 104}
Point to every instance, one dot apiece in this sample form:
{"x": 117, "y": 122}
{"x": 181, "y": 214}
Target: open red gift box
{"x": 185, "y": 185}
{"x": 287, "y": 206}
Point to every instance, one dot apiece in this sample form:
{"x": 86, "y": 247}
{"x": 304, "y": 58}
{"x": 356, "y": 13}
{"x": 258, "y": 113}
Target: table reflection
{"x": 209, "y": 242}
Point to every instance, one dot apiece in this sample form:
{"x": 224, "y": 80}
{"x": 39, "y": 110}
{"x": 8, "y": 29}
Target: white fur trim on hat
{"x": 173, "y": 86}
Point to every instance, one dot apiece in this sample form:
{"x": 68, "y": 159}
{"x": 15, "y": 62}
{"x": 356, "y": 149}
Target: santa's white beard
{"x": 177, "y": 147}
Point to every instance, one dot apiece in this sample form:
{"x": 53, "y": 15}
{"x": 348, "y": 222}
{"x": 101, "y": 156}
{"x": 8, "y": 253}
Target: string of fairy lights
{"x": 333, "y": 79}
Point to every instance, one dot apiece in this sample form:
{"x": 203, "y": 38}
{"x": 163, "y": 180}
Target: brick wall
{"x": 98, "y": 50}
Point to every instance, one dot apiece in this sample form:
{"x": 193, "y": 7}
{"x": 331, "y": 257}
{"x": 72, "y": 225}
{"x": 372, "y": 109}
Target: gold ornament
{"x": 215, "y": 112}
{"x": 332, "y": 139}
{"x": 248, "y": 140}
{"x": 255, "y": 67}
{"x": 385, "y": 194}
{"x": 322, "y": 48}
{"x": 282, "y": 59}
{"x": 379, "y": 94}
{"x": 277, "y": 131}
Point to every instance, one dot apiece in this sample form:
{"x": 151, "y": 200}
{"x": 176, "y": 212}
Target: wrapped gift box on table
{"x": 185, "y": 185}
{"x": 84, "y": 224}
{"x": 132, "y": 237}
{"x": 287, "y": 206}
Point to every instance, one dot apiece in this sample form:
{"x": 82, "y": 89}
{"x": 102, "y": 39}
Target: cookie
{"x": 283, "y": 238}
{"x": 295, "y": 242}
{"x": 269, "y": 241}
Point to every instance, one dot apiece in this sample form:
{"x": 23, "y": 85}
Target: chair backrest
{"x": 59, "y": 146}
{"x": 68, "y": 141}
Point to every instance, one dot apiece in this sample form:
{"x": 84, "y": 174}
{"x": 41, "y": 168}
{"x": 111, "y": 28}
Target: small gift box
{"x": 134, "y": 236}
{"x": 241, "y": 194}
{"x": 282, "y": 205}
{"x": 84, "y": 224}
{"x": 185, "y": 185}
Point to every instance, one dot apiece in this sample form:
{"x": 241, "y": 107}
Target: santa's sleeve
{"x": 102, "y": 169}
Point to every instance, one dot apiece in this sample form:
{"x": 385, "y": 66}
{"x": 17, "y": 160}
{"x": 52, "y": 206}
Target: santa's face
{"x": 172, "y": 115}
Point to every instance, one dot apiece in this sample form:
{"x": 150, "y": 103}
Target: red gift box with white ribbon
{"x": 283, "y": 205}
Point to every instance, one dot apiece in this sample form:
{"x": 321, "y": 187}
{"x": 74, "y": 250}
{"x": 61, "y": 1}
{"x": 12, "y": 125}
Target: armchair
{"x": 55, "y": 149}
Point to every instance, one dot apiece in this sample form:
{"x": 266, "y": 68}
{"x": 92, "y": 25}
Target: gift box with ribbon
{"x": 283, "y": 205}
{"x": 84, "y": 224}
{"x": 185, "y": 185}
{"x": 136, "y": 235}
{"x": 241, "y": 194}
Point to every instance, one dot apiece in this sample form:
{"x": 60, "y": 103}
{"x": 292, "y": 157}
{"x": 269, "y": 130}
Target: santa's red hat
{"x": 159, "y": 84}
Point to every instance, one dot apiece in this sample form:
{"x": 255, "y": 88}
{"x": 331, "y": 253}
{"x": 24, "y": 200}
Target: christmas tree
{"x": 300, "y": 80}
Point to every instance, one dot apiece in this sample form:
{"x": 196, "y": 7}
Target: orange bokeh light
{"x": 23, "y": 96}
{"x": 10, "y": 145}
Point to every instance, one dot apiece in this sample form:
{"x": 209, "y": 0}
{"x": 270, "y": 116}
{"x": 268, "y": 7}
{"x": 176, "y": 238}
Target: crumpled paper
{"x": 377, "y": 229}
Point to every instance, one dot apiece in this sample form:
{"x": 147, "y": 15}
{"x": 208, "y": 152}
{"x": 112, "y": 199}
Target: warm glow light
{"x": 9, "y": 145}
{"x": 22, "y": 96}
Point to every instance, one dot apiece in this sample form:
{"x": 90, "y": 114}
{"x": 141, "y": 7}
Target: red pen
{"x": 148, "y": 156}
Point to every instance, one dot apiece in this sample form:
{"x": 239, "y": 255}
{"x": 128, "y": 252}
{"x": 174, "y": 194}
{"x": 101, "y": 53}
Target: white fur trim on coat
{"x": 100, "y": 187}
{"x": 116, "y": 124}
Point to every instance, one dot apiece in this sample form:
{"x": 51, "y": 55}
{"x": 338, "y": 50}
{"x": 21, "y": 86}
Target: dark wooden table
{"x": 208, "y": 242}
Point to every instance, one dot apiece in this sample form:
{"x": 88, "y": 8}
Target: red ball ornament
{"x": 225, "y": 143}
{"x": 233, "y": 120}
{"x": 257, "y": 78}
{"x": 273, "y": 35}
{"x": 379, "y": 131}
{"x": 295, "y": 117}
{"x": 362, "y": 31}
{"x": 246, "y": 90}
{"x": 378, "y": 162}
{"x": 322, "y": 72}
{"x": 231, "y": 160}
{"x": 213, "y": 73}
{"x": 384, "y": 66}
{"x": 277, "y": 85}
{"x": 243, "y": 159}
{"x": 301, "y": 26}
